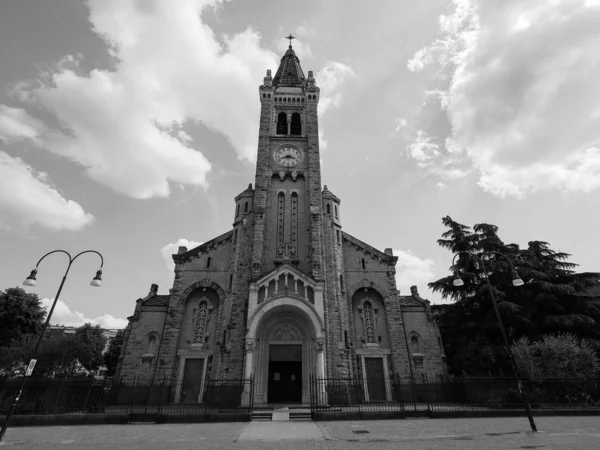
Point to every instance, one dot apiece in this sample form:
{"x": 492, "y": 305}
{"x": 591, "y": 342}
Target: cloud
{"x": 124, "y": 126}
{"x": 442, "y": 161}
{"x": 400, "y": 123}
{"x": 423, "y": 149}
{"x": 330, "y": 80}
{"x": 17, "y": 124}
{"x": 412, "y": 271}
{"x": 170, "y": 249}
{"x": 518, "y": 82}
{"x": 27, "y": 198}
{"x": 63, "y": 315}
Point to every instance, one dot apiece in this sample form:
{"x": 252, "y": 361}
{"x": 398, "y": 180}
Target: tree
{"x": 547, "y": 303}
{"x": 91, "y": 343}
{"x": 556, "y": 356}
{"x": 111, "y": 357}
{"x": 60, "y": 353}
{"x": 21, "y": 315}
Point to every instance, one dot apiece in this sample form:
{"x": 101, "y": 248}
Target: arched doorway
{"x": 284, "y": 346}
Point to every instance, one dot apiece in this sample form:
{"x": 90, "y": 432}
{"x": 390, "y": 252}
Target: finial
{"x": 290, "y": 37}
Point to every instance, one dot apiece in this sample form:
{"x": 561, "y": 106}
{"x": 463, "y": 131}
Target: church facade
{"x": 286, "y": 293}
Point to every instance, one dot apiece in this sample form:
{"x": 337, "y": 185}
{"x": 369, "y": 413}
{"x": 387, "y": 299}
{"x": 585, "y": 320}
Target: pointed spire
{"x": 289, "y": 72}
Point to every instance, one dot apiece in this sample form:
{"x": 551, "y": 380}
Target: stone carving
{"x": 250, "y": 345}
{"x": 286, "y": 333}
{"x": 256, "y": 269}
{"x": 320, "y": 345}
{"x": 316, "y": 271}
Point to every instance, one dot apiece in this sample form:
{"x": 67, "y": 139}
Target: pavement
{"x": 568, "y": 432}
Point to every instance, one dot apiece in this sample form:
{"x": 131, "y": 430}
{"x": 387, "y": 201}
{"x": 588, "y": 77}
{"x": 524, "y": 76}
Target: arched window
{"x": 341, "y": 281}
{"x": 328, "y": 208}
{"x": 282, "y": 125}
{"x": 151, "y": 345}
{"x": 337, "y": 232}
{"x": 369, "y": 323}
{"x": 208, "y": 262}
{"x": 280, "y": 221}
{"x": 414, "y": 344}
{"x": 336, "y": 213}
{"x": 246, "y": 207}
{"x": 363, "y": 263}
{"x": 296, "y": 128}
{"x": 201, "y": 323}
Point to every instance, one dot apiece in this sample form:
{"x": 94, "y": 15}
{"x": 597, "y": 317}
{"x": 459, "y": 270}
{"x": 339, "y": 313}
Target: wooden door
{"x": 375, "y": 379}
{"x": 192, "y": 380}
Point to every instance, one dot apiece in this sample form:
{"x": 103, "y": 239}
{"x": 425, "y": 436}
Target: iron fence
{"x": 138, "y": 398}
{"x": 427, "y": 395}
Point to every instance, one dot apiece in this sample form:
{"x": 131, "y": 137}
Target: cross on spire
{"x": 290, "y": 37}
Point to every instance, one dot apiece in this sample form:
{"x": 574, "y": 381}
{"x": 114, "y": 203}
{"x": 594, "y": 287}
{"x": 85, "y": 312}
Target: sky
{"x": 128, "y": 127}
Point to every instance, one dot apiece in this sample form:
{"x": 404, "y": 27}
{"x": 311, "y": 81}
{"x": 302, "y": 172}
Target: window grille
{"x": 201, "y": 323}
{"x": 369, "y": 323}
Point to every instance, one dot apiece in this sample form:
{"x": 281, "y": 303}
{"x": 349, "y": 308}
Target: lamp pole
{"x": 31, "y": 281}
{"x": 516, "y": 282}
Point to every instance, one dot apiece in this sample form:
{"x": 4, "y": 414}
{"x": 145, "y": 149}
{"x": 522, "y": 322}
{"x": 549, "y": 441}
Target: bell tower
{"x": 287, "y": 196}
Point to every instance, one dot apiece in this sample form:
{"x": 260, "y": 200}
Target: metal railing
{"x": 139, "y": 397}
{"x": 427, "y": 395}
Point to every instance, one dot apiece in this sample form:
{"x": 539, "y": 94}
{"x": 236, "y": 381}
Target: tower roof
{"x": 289, "y": 72}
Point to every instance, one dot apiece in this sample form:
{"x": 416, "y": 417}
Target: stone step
{"x": 300, "y": 416}
{"x": 262, "y": 416}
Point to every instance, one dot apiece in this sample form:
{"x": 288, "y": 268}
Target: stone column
{"x": 322, "y": 394}
{"x": 253, "y": 299}
{"x": 248, "y": 371}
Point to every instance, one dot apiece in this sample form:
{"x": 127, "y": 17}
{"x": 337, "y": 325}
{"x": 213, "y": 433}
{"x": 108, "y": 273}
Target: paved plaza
{"x": 435, "y": 434}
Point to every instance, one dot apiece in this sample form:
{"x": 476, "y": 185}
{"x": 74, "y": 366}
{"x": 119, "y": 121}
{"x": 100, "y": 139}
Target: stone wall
{"x": 378, "y": 274}
{"x": 432, "y": 361}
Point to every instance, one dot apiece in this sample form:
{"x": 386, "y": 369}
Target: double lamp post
{"x": 516, "y": 281}
{"x": 31, "y": 281}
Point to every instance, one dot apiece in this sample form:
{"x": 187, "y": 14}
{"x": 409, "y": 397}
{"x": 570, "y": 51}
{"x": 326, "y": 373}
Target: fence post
{"x": 87, "y": 397}
{"x": 424, "y": 379}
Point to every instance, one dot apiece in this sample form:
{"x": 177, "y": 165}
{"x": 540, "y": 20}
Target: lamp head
{"x": 30, "y": 280}
{"x": 97, "y": 281}
{"x": 457, "y": 281}
{"x": 516, "y": 281}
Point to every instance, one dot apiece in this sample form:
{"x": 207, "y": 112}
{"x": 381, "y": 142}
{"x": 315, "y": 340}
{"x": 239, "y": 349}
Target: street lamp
{"x": 31, "y": 281}
{"x": 516, "y": 281}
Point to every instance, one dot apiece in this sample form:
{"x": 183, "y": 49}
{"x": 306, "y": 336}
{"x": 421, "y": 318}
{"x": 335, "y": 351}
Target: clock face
{"x": 288, "y": 156}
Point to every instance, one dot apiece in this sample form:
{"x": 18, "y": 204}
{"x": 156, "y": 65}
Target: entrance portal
{"x": 285, "y": 374}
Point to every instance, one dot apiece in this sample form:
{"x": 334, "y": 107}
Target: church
{"x": 285, "y": 294}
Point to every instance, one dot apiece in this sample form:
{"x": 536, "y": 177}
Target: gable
{"x": 287, "y": 269}
{"x": 377, "y": 254}
{"x": 213, "y": 243}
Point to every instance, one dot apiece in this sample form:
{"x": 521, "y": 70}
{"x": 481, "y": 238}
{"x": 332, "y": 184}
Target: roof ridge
{"x": 178, "y": 258}
{"x": 358, "y": 242}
